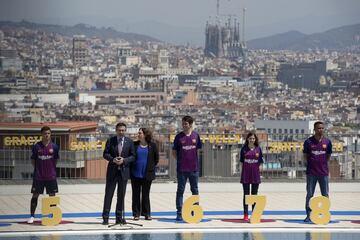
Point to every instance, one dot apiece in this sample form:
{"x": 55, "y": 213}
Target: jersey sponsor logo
{"x": 251, "y": 160}
{"x": 45, "y": 157}
{"x": 317, "y": 153}
{"x": 187, "y": 148}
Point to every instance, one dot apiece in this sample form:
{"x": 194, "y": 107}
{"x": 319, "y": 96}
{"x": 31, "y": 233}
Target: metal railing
{"x": 81, "y": 156}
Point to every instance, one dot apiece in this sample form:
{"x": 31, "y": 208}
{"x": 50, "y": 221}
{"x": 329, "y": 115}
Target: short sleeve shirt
{"x": 251, "y": 159}
{"x": 45, "y": 160}
{"x": 186, "y": 148}
{"x": 317, "y": 152}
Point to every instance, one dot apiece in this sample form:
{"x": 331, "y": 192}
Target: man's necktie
{"x": 120, "y": 146}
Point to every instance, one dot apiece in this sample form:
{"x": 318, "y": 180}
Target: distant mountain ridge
{"x": 79, "y": 29}
{"x": 336, "y": 38}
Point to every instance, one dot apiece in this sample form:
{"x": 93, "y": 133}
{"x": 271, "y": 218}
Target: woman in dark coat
{"x": 143, "y": 173}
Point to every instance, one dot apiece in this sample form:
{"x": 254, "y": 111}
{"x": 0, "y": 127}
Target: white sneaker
{"x": 31, "y": 220}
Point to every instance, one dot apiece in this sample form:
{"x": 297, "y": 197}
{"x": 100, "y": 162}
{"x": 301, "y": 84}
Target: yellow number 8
{"x": 191, "y": 211}
{"x": 320, "y": 207}
{"x": 320, "y": 236}
{"x": 191, "y": 236}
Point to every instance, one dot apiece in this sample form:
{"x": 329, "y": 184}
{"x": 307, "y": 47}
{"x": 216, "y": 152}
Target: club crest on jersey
{"x": 182, "y": 141}
{"x": 51, "y": 151}
{"x": 324, "y": 146}
{"x": 193, "y": 141}
{"x": 257, "y": 155}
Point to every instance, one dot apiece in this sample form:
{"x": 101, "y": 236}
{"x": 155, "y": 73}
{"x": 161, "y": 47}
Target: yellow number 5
{"x": 49, "y": 206}
{"x": 260, "y": 202}
{"x": 191, "y": 211}
{"x": 320, "y": 207}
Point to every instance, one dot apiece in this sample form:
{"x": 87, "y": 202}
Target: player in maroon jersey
{"x": 44, "y": 158}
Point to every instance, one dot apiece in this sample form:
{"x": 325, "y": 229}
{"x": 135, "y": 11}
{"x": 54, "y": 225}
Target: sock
{"x": 33, "y": 205}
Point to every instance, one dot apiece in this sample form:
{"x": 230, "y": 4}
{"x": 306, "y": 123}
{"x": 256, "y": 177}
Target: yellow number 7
{"x": 49, "y": 206}
{"x": 260, "y": 202}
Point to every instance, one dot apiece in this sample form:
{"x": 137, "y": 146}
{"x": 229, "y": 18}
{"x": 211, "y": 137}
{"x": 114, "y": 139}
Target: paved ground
{"x": 81, "y": 205}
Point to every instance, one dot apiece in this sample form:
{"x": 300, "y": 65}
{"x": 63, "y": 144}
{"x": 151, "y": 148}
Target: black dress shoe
{"x": 120, "y": 221}
{"x": 105, "y": 221}
{"x": 148, "y": 218}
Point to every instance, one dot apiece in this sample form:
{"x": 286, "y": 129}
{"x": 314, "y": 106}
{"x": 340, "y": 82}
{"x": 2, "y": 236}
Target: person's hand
{"x": 118, "y": 161}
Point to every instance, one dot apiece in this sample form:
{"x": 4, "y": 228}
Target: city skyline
{"x": 160, "y": 20}
{"x": 82, "y": 81}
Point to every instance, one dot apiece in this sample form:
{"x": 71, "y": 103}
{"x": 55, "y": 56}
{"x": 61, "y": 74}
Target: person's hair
{"x": 318, "y": 123}
{"x": 147, "y": 133}
{"x": 120, "y": 124}
{"x": 45, "y": 128}
{"x": 256, "y": 143}
{"x": 188, "y": 119}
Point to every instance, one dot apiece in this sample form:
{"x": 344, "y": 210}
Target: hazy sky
{"x": 263, "y": 17}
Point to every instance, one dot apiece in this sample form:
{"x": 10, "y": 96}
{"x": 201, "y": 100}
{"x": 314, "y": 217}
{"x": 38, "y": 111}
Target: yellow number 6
{"x": 260, "y": 202}
{"x": 49, "y": 206}
{"x": 191, "y": 211}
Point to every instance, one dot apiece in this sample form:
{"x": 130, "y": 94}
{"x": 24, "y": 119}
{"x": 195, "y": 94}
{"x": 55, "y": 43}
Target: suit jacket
{"x": 152, "y": 160}
{"x": 111, "y": 152}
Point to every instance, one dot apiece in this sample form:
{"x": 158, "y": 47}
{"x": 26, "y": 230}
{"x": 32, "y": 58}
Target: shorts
{"x": 39, "y": 185}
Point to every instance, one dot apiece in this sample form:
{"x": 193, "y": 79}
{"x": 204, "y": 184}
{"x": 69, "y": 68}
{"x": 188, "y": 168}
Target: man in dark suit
{"x": 119, "y": 151}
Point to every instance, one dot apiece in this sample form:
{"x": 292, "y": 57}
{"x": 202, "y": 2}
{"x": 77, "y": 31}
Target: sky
{"x": 185, "y": 20}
